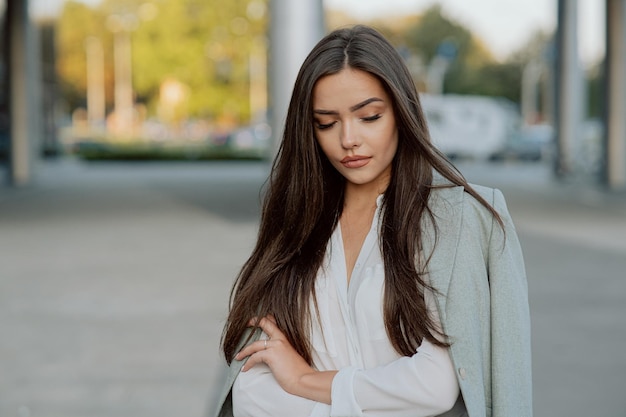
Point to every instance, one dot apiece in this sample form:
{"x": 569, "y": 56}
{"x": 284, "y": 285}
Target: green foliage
{"x": 537, "y": 47}
{"x": 203, "y": 44}
{"x": 472, "y": 70}
{"x": 595, "y": 91}
{"x": 138, "y": 150}
{"x": 491, "y": 79}
{"x": 76, "y": 24}
{"x": 434, "y": 28}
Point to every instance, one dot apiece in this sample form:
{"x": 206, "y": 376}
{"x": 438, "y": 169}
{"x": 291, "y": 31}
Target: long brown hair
{"x": 304, "y": 201}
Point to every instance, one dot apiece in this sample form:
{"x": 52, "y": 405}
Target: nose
{"x": 349, "y": 136}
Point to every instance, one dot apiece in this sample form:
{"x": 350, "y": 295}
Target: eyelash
{"x": 326, "y": 126}
{"x": 369, "y": 119}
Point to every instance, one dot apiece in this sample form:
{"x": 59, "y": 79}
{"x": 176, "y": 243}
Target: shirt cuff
{"x": 320, "y": 410}
{"x": 343, "y": 400}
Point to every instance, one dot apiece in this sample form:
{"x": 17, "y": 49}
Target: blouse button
{"x": 462, "y": 373}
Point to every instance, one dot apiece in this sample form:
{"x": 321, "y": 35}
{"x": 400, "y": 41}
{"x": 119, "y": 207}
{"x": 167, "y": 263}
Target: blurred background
{"x": 136, "y": 135}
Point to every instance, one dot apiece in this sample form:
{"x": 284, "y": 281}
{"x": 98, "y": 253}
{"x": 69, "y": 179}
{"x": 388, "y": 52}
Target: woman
{"x": 382, "y": 283}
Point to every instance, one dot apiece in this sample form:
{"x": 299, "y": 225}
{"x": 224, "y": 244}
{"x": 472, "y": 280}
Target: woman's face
{"x": 356, "y": 127}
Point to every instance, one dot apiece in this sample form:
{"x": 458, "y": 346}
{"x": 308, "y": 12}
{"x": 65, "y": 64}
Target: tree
{"x": 472, "y": 69}
{"x": 203, "y": 44}
{"x": 493, "y": 79}
{"x": 76, "y": 23}
{"x": 436, "y": 35}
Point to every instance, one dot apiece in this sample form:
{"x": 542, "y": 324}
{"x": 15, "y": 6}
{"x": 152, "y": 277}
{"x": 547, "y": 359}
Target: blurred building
{"x": 27, "y": 94}
{"x": 21, "y": 111}
{"x": 568, "y": 95}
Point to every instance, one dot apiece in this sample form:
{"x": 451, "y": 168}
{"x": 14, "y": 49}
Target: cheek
{"x": 325, "y": 145}
{"x": 391, "y": 144}
{"x": 394, "y": 142}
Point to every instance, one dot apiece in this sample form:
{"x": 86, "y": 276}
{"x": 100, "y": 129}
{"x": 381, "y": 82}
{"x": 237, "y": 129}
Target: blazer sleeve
{"x": 511, "y": 379}
{"x": 224, "y": 403}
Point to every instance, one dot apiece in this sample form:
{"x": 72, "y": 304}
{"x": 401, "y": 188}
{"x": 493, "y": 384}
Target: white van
{"x": 475, "y": 127}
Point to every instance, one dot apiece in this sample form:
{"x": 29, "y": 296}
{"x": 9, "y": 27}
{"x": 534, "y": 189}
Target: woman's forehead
{"x": 347, "y": 88}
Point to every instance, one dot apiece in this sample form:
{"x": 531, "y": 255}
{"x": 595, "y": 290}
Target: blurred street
{"x": 114, "y": 283}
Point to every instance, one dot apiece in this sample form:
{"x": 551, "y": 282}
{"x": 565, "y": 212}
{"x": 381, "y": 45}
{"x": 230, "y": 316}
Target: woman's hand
{"x": 291, "y": 371}
{"x": 286, "y": 364}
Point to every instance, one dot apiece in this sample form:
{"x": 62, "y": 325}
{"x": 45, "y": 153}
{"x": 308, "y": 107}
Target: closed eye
{"x": 371, "y": 118}
{"x": 322, "y": 126}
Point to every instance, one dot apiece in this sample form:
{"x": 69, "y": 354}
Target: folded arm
{"x": 421, "y": 385}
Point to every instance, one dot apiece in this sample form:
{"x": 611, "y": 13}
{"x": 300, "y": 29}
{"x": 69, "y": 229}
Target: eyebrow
{"x": 352, "y": 109}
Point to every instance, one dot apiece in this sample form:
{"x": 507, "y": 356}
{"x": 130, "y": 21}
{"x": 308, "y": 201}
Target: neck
{"x": 361, "y": 197}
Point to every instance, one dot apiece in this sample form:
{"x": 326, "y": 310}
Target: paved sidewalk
{"x": 575, "y": 211}
{"x": 114, "y": 281}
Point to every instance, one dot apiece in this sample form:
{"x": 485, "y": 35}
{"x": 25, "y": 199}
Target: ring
{"x": 265, "y": 344}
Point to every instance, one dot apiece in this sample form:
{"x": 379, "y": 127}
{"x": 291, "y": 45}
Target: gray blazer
{"x": 478, "y": 269}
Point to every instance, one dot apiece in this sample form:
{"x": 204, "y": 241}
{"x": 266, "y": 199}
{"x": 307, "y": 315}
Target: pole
{"x": 295, "y": 27}
{"x": 123, "y": 94}
{"x": 569, "y": 88}
{"x": 531, "y": 77}
{"x": 615, "y": 97}
{"x": 95, "y": 83}
{"x": 24, "y": 88}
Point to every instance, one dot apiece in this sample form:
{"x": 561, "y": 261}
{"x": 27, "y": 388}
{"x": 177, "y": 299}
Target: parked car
{"x": 529, "y": 143}
{"x": 474, "y": 127}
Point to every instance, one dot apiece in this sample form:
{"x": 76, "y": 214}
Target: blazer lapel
{"x": 224, "y": 404}
{"x": 440, "y": 241}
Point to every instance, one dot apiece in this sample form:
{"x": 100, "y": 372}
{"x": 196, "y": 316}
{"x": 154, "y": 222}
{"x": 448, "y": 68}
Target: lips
{"x": 356, "y": 161}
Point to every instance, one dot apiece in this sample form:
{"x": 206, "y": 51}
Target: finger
{"x": 252, "y": 348}
{"x": 268, "y": 324}
{"x": 255, "y": 353}
{"x": 255, "y": 321}
{"x": 253, "y": 360}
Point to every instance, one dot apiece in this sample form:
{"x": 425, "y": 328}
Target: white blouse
{"x": 373, "y": 379}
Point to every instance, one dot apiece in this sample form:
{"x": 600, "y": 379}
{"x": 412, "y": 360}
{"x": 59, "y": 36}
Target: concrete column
{"x": 531, "y": 78}
{"x": 123, "y": 94}
{"x": 569, "y": 103}
{"x": 294, "y": 28}
{"x": 95, "y": 83}
{"x": 547, "y": 85}
{"x": 257, "y": 64}
{"x": 615, "y": 149}
{"x": 24, "y": 87}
